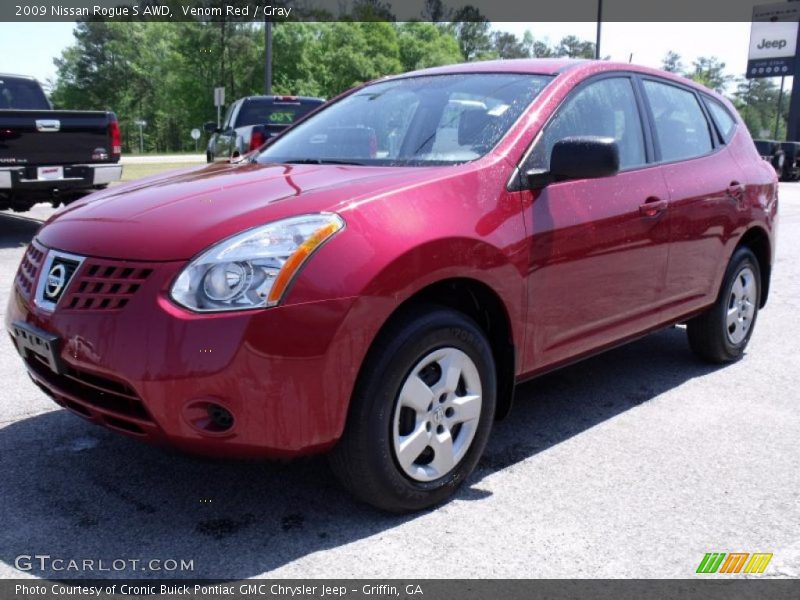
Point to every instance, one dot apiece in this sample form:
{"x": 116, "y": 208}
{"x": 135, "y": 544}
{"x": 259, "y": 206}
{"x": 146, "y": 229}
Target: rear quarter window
{"x": 681, "y": 126}
{"x": 725, "y": 122}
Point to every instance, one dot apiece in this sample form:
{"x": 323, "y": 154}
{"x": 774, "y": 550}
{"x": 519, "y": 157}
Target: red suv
{"x": 376, "y": 280}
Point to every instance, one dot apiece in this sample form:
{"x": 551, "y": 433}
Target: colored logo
{"x": 734, "y": 562}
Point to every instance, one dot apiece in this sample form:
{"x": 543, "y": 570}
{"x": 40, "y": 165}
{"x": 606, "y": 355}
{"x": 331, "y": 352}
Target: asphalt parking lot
{"x": 632, "y": 464}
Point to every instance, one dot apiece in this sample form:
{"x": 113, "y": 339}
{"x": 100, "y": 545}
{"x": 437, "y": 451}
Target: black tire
{"x": 709, "y": 333}
{"x": 364, "y": 460}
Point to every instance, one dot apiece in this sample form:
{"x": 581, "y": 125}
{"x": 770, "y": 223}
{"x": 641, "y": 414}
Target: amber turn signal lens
{"x": 296, "y": 260}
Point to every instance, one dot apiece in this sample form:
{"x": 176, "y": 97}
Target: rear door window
{"x": 682, "y": 130}
{"x": 605, "y": 108}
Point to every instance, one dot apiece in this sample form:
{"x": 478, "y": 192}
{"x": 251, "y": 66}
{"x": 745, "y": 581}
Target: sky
{"x": 29, "y": 48}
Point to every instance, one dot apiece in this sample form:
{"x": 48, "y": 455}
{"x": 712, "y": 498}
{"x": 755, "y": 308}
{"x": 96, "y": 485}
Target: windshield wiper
{"x": 322, "y": 161}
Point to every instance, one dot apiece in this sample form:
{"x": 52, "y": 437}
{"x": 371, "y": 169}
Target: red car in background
{"x": 375, "y": 281}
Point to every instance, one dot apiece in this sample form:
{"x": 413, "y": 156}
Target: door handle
{"x": 652, "y": 207}
{"x": 46, "y": 125}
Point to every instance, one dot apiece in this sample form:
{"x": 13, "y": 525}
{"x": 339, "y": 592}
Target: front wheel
{"x": 421, "y": 413}
{"x": 721, "y": 334}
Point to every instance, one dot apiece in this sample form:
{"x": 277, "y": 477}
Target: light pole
{"x": 142, "y": 124}
{"x": 599, "y": 21}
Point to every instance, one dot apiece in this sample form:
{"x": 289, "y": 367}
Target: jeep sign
{"x": 779, "y": 44}
{"x": 773, "y": 41}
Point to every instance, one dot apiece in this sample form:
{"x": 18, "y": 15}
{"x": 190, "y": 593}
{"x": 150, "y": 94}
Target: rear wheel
{"x": 721, "y": 334}
{"x": 421, "y": 413}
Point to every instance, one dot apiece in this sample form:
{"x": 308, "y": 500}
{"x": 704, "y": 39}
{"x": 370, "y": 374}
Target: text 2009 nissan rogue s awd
{"x": 375, "y": 281}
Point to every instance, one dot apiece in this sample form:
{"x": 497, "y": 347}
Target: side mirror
{"x": 210, "y": 127}
{"x": 584, "y": 158}
{"x": 579, "y": 158}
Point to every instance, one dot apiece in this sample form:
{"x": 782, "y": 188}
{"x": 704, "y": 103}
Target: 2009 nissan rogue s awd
{"x": 375, "y": 281}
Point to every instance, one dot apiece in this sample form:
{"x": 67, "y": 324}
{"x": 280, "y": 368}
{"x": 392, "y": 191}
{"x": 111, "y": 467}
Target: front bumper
{"x": 145, "y": 367}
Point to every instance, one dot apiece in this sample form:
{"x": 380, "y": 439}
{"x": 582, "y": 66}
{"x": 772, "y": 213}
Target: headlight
{"x": 252, "y": 269}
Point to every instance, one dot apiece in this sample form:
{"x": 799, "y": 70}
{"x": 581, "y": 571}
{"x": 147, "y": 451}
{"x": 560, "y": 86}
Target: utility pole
{"x": 793, "y": 124}
{"x": 599, "y": 21}
{"x": 267, "y": 56}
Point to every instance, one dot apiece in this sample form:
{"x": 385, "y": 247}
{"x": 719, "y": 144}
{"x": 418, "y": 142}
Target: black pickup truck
{"x": 50, "y": 155}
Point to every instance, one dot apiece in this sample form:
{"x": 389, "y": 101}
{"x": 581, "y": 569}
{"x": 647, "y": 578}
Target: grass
{"x": 137, "y": 171}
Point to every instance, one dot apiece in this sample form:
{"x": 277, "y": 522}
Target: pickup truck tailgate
{"x": 48, "y": 137}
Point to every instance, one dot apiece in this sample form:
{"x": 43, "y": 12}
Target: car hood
{"x": 177, "y": 215}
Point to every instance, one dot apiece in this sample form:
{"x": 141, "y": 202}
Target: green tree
{"x": 536, "y": 48}
{"x": 757, "y": 103}
{"x": 371, "y": 10}
{"x": 507, "y": 45}
{"x": 710, "y": 72}
{"x": 297, "y": 53}
{"x": 435, "y": 11}
{"x": 95, "y": 70}
{"x": 426, "y": 45}
{"x": 671, "y": 63}
{"x": 473, "y": 32}
{"x": 357, "y": 52}
{"x": 573, "y": 47}
{"x": 165, "y": 73}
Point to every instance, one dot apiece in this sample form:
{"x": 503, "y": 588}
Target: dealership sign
{"x": 773, "y": 40}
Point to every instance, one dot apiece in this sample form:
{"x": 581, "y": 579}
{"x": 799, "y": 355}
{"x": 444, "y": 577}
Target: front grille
{"x": 81, "y": 391}
{"x": 104, "y": 285}
{"x": 28, "y": 269}
{"x": 68, "y": 267}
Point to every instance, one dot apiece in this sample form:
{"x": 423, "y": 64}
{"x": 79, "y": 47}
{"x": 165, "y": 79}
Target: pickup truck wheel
{"x": 421, "y": 413}
{"x": 721, "y": 334}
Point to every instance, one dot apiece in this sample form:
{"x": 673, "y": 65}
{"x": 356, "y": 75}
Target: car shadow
{"x": 16, "y": 231}
{"x": 76, "y": 491}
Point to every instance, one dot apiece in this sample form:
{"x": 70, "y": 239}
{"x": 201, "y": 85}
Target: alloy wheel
{"x": 437, "y": 414}
{"x": 741, "y": 305}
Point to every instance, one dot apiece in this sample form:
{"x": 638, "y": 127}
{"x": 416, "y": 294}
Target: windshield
{"x": 438, "y": 119}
